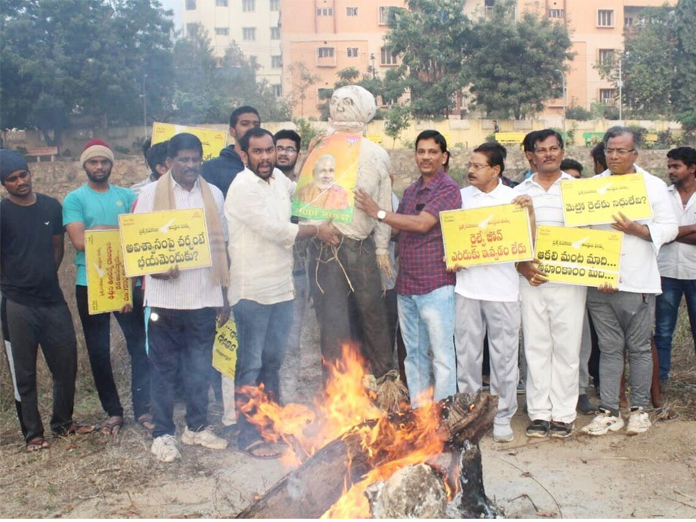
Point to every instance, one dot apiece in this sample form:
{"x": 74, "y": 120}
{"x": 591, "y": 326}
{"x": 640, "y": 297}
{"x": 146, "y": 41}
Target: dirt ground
{"x": 651, "y": 475}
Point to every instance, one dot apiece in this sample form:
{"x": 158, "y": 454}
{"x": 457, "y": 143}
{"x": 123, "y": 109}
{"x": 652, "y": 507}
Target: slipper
{"x": 112, "y": 426}
{"x": 145, "y": 420}
{"x": 76, "y": 428}
{"x": 667, "y": 414}
{"x": 260, "y": 449}
{"x": 37, "y": 444}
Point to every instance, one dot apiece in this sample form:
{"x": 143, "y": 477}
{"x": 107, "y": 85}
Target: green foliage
{"x": 516, "y": 65}
{"x": 578, "y": 113}
{"x": 684, "y": 93}
{"x": 306, "y": 130}
{"x": 121, "y": 149}
{"x": 603, "y": 111}
{"x": 687, "y": 119}
{"x": 397, "y": 120}
{"x": 302, "y": 81}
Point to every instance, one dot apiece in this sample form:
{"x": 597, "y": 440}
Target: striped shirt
{"x": 548, "y": 205}
{"x": 193, "y": 289}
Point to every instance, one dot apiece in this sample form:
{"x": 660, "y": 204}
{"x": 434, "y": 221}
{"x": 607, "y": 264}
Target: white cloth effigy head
{"x": 351, "y": 107}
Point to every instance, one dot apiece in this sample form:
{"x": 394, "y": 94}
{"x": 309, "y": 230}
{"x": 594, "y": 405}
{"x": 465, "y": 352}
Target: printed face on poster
{"x": 328, "y": 178}
{"x": 108, "y": 288}
{"x": 154, "y": 242}
{"x": 213, "y": 141}
{"x": 486, "y": 236}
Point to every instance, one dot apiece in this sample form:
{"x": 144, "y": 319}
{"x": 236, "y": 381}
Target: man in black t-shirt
{"x": 34, "y": 311}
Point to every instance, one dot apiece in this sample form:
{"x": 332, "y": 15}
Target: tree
{"x": 397, "y": 119}
{"x": 684, "y": 93}
{"x": 302, "y": 80}
{"x": 646, "y": 65}
{"x": 432, "y": 40}
{"x": 516, "y": 65}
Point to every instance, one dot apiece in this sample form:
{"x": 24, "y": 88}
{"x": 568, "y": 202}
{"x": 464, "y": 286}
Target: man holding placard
{"x": 487, "y": 297}
{"x": 623, "y": 316}
{"x": 552, "y": 313}
{"x": 97, "y": 205}
{"x": 185, "y": 303}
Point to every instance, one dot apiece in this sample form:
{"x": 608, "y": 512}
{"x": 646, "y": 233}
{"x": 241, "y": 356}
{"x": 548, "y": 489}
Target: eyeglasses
{"x": 475, "y": 166}
{"x": 620, "y": 152}
{"x": 287, "y": 150}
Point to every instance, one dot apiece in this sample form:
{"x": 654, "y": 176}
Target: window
{"x": 325, "y": 52}
{"x": 276, "y": 62}
{"x": 352, "y": 52}
{"x": 190, "y": 5}
{"x": 275, "y": 5}
{"x": 556, "y": 13}
{"x": 351, "y": 11}
{"x": 275, "y": 33}
{"x": 606, "y": 56}
{"x": 324, "y": 94}
{"x": 278, "y": 90}
{"x": 249, "y": 33}
{"x": 221, "y": 3}
{"x": 605, "y": 18}
{"x": 387, "y": 58}
{"x": 488, "y": 8}
{"x": 383, "y": 15}
{"x": 248, "y": 6}
{"x": 326, "y": 57}
{"x": 628, "y": 21}
{"x": 607, "y": 96}
{"x": 324, "y": 11}
{"x": 222, "y": 31}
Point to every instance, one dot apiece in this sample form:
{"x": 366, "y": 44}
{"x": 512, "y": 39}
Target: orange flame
{"x": 346, "y": 404}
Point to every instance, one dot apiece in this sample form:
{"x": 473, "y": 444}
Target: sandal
{"x": 145, "y": 420}
{"x": 37, "y": 444}
{"x": 260, "y": 449}
{"x": 112, "y": 426}
{"x": 75, "y": 428}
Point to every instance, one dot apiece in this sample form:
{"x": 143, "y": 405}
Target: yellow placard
{"x": 486, "y": 236}
{"x": 108, "y": 288}
{"x": 213, "y": 140}
{"x": 225, "y": 349}
{"x": 579, "y": 256}
{"x": 328, "y": 178}
{"x": 154, "y": 242}
{"x": 593, "y": 201}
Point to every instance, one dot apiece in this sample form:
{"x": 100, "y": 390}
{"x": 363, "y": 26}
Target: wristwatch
{"x": 381, "y": 215}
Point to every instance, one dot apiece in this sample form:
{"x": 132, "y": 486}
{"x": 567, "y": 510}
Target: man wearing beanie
{"x": 96, "y": 205}
{"x": 33, "y": 308}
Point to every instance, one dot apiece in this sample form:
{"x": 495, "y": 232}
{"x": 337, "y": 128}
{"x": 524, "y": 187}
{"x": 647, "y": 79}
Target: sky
{"x": 177, "y": 6}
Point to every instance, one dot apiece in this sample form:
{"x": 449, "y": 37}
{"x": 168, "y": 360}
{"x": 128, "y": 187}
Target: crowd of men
{"x": 364, "y": 277}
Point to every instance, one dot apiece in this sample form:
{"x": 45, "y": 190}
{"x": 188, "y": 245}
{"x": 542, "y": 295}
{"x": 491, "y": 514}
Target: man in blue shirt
{"x": 96, "y": 205}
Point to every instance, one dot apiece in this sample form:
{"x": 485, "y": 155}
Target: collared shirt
{"x": 421, "y": 265}
{"x": 142, "y": 184}
{"x": 193, "y": 289}
{"x": 499, "y": 282}
{"x": 678, "y": 260}
{"x": 548, "y": 206}
{"x": 261, "y": 238}
{"x": 639, "y": 272}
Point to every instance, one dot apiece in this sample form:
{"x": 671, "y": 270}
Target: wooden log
{"x": 319, "y": 482}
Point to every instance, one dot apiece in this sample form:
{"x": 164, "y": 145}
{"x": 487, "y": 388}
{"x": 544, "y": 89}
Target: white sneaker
{"x": 638, "y": 421}
{"x": 503, "y": 433}
{"x": 205, "y": 438}
{"x": 603, "y": 422}
{"x": 164, "y": 449}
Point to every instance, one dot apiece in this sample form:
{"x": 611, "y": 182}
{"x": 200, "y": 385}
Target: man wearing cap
{"x": 96, "y": 205}
{"x": 33, "y": 308}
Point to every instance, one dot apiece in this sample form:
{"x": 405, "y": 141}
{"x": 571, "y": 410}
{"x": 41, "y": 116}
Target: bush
{"x": 121, "y": 149}
{"x": 306, "y": 130}
{"x": 578, "y": 113}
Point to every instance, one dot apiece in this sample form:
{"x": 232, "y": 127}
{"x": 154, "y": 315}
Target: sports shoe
{"x": 561, "y": 430}
{"x": 603, "y": 422}
{"x": 638, "y": 421}
{"x": 205, "y": 438}
{"x": 503, "y": 433}
{"x": 538, "y": 429}
{"x": 585, "y": 406}
{"x": 164, "y": 449}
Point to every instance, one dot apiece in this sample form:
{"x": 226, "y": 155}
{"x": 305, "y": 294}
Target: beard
{"x": 99, "y": 177}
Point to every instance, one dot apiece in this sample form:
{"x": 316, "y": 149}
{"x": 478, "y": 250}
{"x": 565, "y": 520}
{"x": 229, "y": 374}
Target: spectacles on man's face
{"x": 287, "y": 150}
{"x": 620, "y": 152}
{"x": 475, "y": 166}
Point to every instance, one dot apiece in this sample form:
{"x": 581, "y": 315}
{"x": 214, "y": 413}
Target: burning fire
{"x": 346, "y": 405}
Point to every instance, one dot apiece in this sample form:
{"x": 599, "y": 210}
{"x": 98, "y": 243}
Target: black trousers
{"x": 329, "y": 270}
{"x": 25, "y": 328}
{"x": 186, "y": 335}
{"x": 97, "y": 331}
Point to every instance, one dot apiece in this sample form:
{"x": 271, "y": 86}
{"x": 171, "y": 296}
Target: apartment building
{"x": 252, "y": 24}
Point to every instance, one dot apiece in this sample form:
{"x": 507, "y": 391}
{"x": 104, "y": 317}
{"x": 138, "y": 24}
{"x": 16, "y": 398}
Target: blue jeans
{"x": 666, "y": 312}
{"x": 262, "y": 333}
{"x": 427, "y": 326}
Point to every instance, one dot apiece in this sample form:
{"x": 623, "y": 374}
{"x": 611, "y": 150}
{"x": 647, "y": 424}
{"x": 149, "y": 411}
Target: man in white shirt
{"x": 552, "y": 313}
{"x": 623, "y": 316}
{"x": 677, "y": 260}
{"x": 184, "y": 304}
{"x": 258, "y": 209}
{"x": 487, "y": 298}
